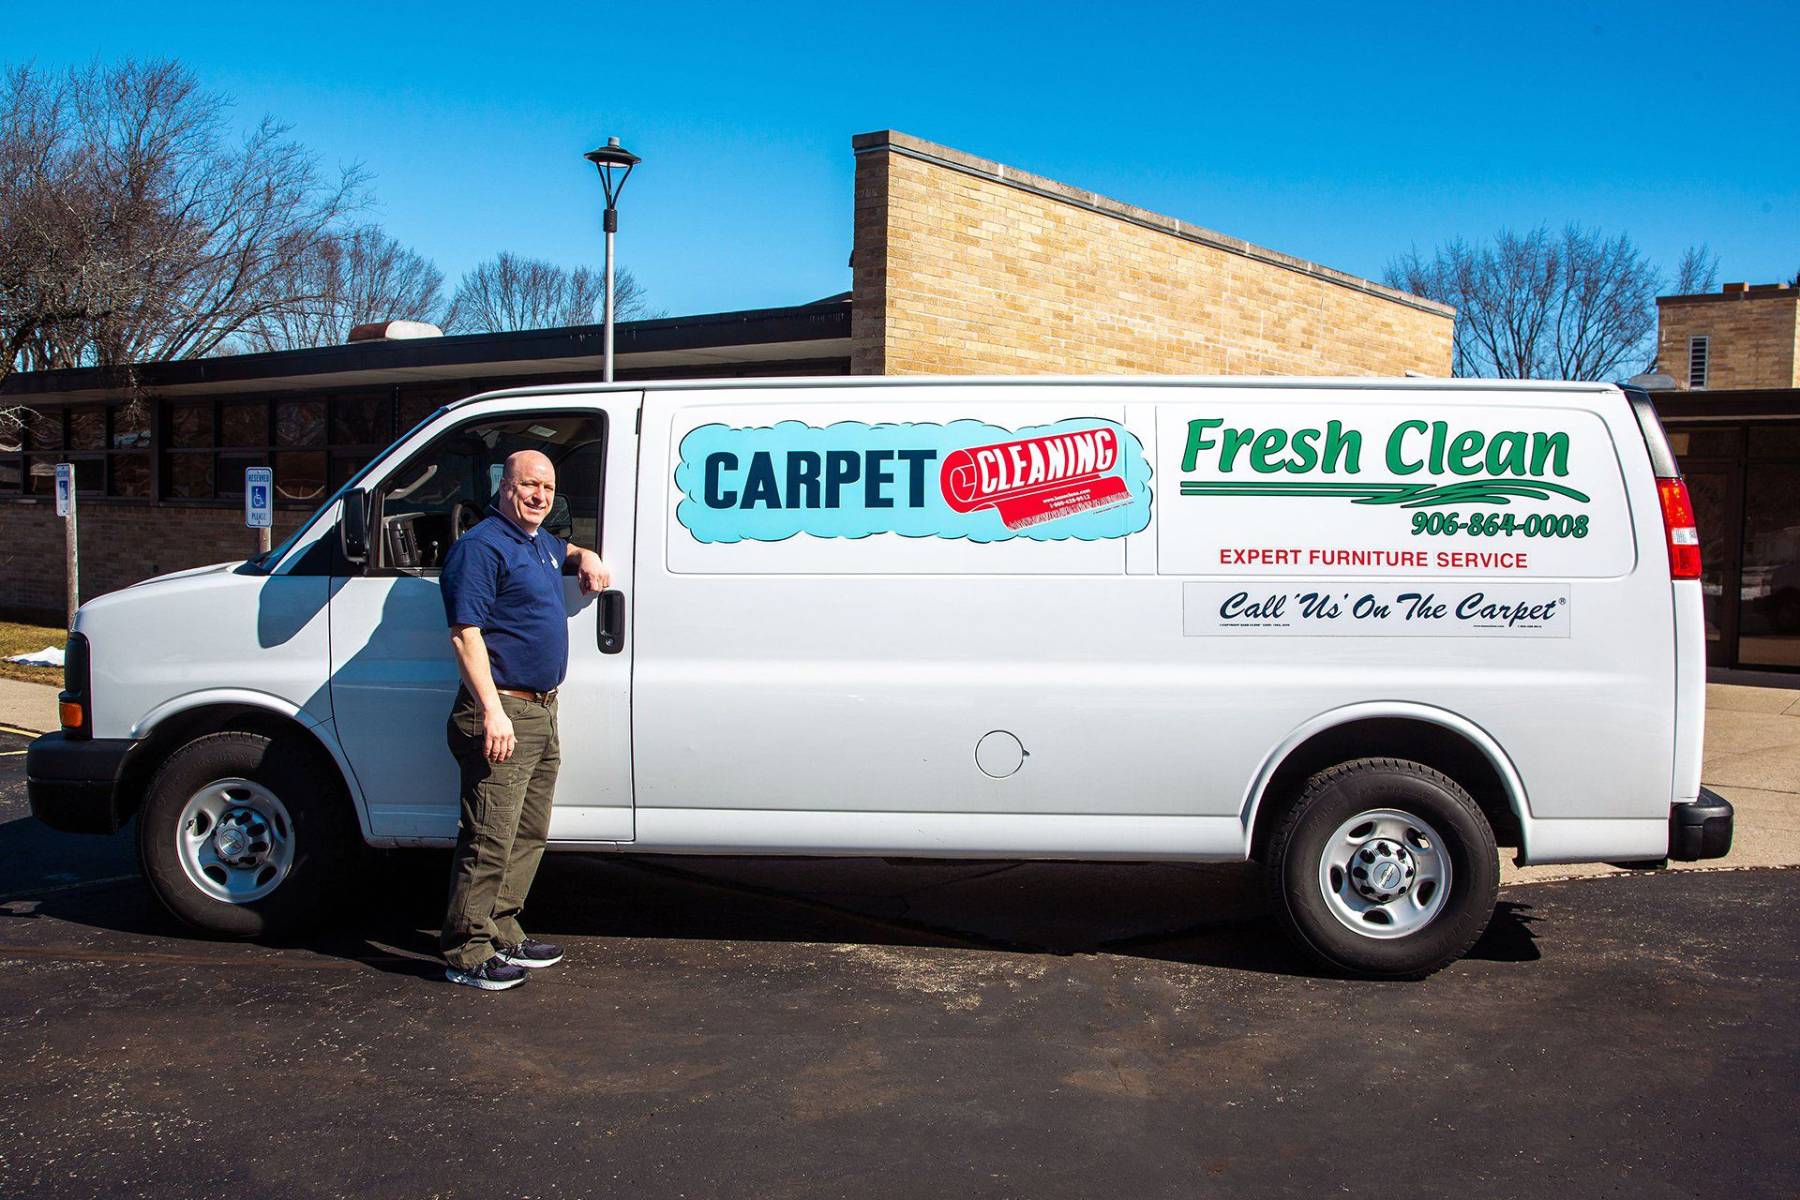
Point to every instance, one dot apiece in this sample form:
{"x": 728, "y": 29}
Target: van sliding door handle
{"x": 612, "y": 621}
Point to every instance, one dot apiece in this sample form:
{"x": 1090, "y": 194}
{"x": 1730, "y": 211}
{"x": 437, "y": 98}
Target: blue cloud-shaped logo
{"x": 1083, "y": 478}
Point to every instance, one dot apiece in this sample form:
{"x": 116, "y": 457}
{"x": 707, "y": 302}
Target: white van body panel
{"x": 871, "y": 706}
{"x": 1690, "y": 684}
{"x": 827, "y": 694}
{"x": 177, "y": 641}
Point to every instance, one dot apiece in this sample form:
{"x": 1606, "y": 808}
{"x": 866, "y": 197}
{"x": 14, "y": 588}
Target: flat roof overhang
{"x": 701, "y": 344}
{"x": 1736, "y": 404}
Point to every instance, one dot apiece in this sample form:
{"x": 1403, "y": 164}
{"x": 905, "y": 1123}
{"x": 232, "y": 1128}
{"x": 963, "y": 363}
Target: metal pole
{"x": 612, "y": 227}
{"x": 263, "y": 541}
{"x": 72, "y": 559}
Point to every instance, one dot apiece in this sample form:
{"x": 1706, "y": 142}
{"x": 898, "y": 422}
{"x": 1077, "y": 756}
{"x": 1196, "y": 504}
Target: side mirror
{"x": 353, "y": 525}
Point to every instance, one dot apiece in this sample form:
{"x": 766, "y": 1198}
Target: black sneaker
{"x": 494, "y": 975}
{"x": 531, "y": 954}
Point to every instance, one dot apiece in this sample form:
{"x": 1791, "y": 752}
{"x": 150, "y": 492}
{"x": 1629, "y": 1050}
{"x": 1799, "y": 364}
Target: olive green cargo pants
{"x": 505, "y": 819}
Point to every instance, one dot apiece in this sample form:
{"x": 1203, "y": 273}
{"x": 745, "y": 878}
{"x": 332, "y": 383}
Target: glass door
{"x": 1769, "y": 584}
{"x": 1716, "y": 489}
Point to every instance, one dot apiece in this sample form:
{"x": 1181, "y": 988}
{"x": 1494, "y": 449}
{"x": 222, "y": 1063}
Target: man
{"x": 503, "y": 596}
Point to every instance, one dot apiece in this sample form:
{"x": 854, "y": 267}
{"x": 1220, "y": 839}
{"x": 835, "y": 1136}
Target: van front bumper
{"x": 1701, "y": 828}
{"x": 73, "y": 785}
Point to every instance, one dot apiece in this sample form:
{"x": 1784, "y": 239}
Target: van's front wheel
{"x": 246, "y": 835}
{"x": 1384, "y": 868}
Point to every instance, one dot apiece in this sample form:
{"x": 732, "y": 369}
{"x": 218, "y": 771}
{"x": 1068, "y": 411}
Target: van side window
{"x": 441, "y": 492}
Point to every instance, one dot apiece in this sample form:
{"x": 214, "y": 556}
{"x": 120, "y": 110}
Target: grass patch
{"x": 19, "y": 637}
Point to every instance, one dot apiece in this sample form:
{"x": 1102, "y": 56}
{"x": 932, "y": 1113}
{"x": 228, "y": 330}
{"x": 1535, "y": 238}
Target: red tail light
{"x": 1678, "y": 524}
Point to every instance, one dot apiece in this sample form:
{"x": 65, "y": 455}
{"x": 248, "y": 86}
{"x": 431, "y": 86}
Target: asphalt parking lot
{"x": 790, "y": 1028}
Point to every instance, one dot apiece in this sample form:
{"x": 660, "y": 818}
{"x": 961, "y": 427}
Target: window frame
{"x": 375, "y": 567}
{"x": 101, "y": 459}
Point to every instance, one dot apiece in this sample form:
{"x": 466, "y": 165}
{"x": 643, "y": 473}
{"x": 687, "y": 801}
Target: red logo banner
{"x": 1033, "y": 480}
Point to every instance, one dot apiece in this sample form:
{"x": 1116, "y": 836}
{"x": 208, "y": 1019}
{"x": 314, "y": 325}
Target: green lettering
{"x": 1306, "y": 455}
{"x": 1396, "y": 463}
{"x": 1235, "y": 440}
{"x": 1343, "y": 447}
{"x": 1198, "y": 441}
{"x": 1466, "y": 446}
{"x": 1439, "y": 431}
{"x": 1551, "y": 446}
{"x": 1268, "y": 442}
{"x": 1506, "y": 453}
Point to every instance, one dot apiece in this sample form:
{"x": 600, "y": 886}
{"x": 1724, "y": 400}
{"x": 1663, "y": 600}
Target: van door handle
{"x": 612, "y": 621}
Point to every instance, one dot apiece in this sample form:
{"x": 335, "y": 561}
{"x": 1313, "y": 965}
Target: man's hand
{"x": 594, "y": 575}
{"x": 499, "y": 741}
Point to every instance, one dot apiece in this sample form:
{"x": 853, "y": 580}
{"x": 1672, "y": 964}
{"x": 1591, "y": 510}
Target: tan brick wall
{"x": 963, "y": 266}
{"x": 120, "y": 545}
{"x": 1754, "y": 337}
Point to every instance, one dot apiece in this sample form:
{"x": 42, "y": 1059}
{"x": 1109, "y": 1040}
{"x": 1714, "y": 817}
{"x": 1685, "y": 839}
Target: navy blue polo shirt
{"x": 508, "y": 584}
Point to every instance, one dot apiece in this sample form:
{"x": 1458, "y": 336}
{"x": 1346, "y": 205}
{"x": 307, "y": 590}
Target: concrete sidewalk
{"x": 1752, "y": 759}
{"x": 27, "y": 706}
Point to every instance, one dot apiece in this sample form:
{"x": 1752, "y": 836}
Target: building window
{"x": 1697, "y": 361}
{"x": 62, "y": 435}
{"x": 313, "y": 443}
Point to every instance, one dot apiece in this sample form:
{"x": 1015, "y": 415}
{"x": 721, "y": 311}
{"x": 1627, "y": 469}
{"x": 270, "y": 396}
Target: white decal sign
{"x": 1332, "y": 608}
{"x": 259, "y": 497}
{"x": 1411, "y": 488}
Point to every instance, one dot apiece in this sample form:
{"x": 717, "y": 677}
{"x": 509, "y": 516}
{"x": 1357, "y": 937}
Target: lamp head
{"x": 614, "y": 163}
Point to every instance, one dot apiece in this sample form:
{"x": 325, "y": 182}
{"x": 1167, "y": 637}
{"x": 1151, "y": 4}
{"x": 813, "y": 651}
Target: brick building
{"x": 965, "y": 266}
{"x": 1732, "y": 409}
{"x": 959, "y": 266}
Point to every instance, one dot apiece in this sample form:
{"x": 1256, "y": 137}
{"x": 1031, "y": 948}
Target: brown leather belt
{"x": 522, "y": 694}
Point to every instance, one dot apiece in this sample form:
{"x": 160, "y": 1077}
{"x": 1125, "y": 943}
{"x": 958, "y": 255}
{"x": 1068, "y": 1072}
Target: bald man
{"x": 503, "y": 597}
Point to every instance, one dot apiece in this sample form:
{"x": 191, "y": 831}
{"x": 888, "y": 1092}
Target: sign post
{"x": 259, "y": 504}
{"x": 65, "y": 508}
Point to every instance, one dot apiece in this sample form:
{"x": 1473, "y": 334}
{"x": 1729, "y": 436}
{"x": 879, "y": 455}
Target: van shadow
{"x": 1209, "y": 915}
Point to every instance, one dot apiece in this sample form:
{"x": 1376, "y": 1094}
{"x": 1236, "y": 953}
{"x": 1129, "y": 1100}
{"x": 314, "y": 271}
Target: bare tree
{"x": 1697, "y": 272}
{"x": 510, "y": 292}
{"x": 1539, "y": 305}
{"x": 348, "y": 280}
{"x": 135, "y": 228}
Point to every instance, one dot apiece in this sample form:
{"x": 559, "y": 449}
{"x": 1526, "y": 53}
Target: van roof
{"x": 1334, "y": 383}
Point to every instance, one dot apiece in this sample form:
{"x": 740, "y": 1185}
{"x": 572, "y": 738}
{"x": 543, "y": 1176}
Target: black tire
{"x": 1336, "y": 795}
{"x": 325, "y": 839}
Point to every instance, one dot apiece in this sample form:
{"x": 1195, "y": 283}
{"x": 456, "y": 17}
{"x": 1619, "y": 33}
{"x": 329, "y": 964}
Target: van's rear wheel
{"x": 247, "y": 835}
{"x": 1384, "y": 868}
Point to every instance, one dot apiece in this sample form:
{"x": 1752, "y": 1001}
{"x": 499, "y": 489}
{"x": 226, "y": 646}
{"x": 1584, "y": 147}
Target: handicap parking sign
{"x": 65, "y": 488}
{"x": 259, "y": 497}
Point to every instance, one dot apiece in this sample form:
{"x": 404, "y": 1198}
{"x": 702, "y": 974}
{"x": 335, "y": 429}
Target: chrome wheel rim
{"x": 1385, "y": 873}
{"x": 235, "y": 840}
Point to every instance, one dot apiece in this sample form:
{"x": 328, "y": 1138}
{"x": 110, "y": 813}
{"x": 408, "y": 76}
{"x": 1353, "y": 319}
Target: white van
{"x": 1360, "y": 630}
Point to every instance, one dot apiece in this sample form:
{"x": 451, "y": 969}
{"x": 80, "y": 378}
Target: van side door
{"x": 394, "y": 676}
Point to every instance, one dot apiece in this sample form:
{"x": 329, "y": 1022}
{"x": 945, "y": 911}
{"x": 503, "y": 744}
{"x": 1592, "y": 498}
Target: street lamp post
{"x": 615, "y": 163}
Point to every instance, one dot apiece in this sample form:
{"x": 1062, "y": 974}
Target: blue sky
{"x": 1341, "y": 133}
